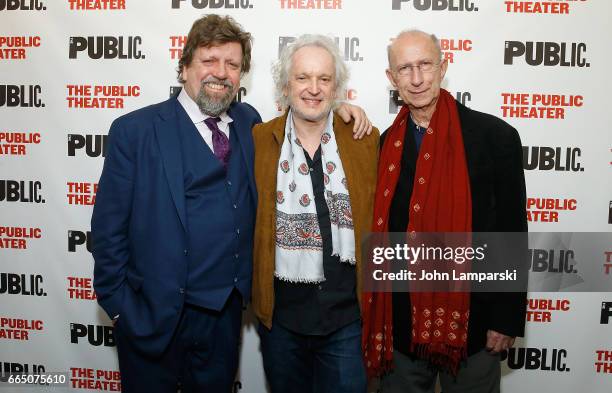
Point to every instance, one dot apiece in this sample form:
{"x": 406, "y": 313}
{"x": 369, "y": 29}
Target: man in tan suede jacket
{"x": 315, "y": 186}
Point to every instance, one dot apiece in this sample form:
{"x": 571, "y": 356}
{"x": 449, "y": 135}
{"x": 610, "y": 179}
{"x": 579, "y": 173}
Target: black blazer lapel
{"x": 471, "y": 144}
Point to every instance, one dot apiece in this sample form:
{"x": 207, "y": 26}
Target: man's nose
{"x": 313, "y": 86}
{"x": 416, "y": 76}
{"x": 220, "y": 70}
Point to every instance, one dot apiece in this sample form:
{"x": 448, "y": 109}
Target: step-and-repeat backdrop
{"x": 69, "y": 67}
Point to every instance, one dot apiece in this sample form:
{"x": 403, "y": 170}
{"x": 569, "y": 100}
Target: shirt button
{"x": 181, "y": 290}
{"x": 421, "y": 180}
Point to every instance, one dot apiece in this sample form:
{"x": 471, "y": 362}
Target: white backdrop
{"x": 51, "y": 149}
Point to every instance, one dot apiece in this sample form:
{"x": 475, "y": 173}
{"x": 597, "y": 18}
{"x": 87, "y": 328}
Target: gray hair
{"x": 432, "y": 37}
{"x": 282, "y": 68}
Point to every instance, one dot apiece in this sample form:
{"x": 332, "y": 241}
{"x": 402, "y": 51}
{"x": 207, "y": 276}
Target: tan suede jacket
{"x": 359, "y": 160}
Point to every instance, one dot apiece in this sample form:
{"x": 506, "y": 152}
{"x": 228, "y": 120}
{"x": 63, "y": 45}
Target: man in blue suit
{"x": 173, "y": 222}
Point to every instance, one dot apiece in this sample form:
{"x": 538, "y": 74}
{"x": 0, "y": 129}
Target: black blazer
{"x": 495, "y": 167}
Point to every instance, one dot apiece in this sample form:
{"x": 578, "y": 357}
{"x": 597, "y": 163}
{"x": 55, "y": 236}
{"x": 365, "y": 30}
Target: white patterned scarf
{"x": 299, "y": 245}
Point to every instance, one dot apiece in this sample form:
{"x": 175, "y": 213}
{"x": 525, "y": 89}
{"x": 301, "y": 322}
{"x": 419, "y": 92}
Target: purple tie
{"x": 221, "y": 146}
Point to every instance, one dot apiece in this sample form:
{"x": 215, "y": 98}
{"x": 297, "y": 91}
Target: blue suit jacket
{"x": 139, "y": 222}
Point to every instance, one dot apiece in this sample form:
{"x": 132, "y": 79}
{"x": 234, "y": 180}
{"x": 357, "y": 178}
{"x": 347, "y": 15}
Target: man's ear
{"x": 443, "y": 68}
{"x": 391, "y": 78}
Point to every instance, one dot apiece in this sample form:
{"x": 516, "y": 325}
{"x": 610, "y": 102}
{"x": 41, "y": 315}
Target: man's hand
{"x": 497, "y": 342}
{"x": 362, "y": 126}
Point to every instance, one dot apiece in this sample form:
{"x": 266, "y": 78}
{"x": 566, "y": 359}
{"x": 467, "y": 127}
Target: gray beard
{"x": 213, "y": 106}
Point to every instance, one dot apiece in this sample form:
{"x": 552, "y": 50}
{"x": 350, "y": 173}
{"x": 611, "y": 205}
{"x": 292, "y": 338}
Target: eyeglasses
{"x": 425, "y": 67}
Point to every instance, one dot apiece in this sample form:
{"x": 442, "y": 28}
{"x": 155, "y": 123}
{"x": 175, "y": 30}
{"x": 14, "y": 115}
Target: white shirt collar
{"x": 193, "y": 111}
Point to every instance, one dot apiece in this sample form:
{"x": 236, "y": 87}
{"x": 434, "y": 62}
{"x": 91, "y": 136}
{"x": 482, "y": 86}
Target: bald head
{"x": 416, "y": 70}
{"x": 413, "y": 37}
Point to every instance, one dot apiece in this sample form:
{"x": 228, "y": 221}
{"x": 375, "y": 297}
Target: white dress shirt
{"x": 197, "y": 117}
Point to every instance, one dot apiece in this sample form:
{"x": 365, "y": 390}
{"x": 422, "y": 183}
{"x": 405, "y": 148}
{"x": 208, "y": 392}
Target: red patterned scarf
{"x": 440, "y": 202}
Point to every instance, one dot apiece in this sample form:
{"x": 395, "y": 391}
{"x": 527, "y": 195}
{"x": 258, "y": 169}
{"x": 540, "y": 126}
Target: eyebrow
{"x": 318, "y": 76}
{"x": 418, "y": 62}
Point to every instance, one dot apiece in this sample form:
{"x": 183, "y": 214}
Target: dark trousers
{"x": 480, "y": 374}
{"x": 202, "y": 356}
{"x": 300, "y": 363}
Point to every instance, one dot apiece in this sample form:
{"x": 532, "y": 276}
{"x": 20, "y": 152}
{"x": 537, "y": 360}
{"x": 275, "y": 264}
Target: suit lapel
{"x": 279, "y": 130}
{"x": 166, "y": 130}
{"x": 243, "y": 131}
{"x": 470, "y": 145}
{"x": 345, "y": 142}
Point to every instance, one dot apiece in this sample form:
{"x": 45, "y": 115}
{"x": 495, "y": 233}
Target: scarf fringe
{"x": 299, "y": 280}
{"x": 349, "y": 260}
{"x": 445, "y": 357}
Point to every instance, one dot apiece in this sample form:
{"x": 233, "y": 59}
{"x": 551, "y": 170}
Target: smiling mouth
{"x": 215, "y": 86}
{"x": 312, "y": 101}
